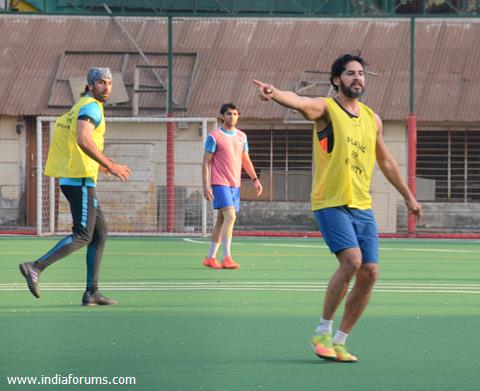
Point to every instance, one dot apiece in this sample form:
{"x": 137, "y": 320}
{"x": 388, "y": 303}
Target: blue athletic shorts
{"x": 225, "y": 196}
{"x": 343, "y": 227}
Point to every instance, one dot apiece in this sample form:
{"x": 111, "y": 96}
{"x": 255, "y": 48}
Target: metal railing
{"x": 260, "y": 8}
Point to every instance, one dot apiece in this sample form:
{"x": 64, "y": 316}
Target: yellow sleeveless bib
{"x": 342, "y": 177}
{"x": 65, "y": 158}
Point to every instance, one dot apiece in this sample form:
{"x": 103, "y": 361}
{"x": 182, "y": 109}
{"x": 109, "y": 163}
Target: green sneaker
{"x": 322, "y": 346}
{"x": 343, "y": 355}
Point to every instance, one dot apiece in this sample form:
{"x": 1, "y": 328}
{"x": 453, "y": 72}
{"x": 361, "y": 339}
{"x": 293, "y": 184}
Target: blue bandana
{"x": 96, "y": 73}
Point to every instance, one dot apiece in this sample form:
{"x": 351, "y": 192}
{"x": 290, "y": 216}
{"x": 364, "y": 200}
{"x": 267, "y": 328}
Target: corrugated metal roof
{"x": 35, "y": 64}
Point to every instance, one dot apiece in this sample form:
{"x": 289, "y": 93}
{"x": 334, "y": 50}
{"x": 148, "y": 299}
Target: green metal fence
{"x": 290, "y": 8}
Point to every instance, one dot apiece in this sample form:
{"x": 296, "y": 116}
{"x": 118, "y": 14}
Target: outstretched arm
{"x": 311, "y": 108}
{"x": 390, "y": 169}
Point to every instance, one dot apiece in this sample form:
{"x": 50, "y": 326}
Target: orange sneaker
{"x": 211, "y": 262}
{"x": 229, "y": 263}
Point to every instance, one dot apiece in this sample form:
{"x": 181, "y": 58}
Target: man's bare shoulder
{"x": 317, "y": 108}
{"x": 320, "y": 100}
{"x": 320, "y": 103}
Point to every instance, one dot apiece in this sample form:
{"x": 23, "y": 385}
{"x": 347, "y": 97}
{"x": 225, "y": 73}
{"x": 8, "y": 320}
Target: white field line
{"x": 248, "y": 286}
{"x": 241, "y": 290}
{"x": 315, "y": 246}
{"x": 254, "y": 283}
{"x": 437, "y": 250}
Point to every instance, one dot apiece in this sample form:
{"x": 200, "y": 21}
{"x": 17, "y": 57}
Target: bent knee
{"x": 350, "y": 260}
{"x": 81, "y": 238}
{"x": 368, "y": 273}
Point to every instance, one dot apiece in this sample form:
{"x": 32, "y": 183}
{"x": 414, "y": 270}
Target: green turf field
{"x": 180, "y": 326}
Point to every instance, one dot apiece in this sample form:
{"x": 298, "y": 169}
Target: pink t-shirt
{"x": 226, "y": 164}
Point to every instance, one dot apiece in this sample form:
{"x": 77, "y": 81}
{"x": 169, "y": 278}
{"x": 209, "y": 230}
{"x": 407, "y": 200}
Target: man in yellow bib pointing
{"x": 347, "y": 139}
{"x": 75, "y": 157}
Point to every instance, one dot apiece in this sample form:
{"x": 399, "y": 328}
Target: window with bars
{"x": 283, "y": 161}
{"x": 451, "y": 159}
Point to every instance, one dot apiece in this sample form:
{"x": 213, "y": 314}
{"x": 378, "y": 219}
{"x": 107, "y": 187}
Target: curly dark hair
{"x": 340, "y": 64}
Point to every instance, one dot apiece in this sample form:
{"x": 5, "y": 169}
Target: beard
{"x": 100, "y": 96}
{"x": 350, "y": 92}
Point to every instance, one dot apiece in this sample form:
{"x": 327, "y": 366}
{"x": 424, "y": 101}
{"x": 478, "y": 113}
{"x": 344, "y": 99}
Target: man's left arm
{"x": 250, "y": 170}
{"x": 389, "y": 167}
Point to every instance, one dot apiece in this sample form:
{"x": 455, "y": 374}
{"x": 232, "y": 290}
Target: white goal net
{"x": 163, "y": 196}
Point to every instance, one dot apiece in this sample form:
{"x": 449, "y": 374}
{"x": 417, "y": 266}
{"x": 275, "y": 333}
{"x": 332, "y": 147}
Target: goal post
{"x": 138, "y": 206}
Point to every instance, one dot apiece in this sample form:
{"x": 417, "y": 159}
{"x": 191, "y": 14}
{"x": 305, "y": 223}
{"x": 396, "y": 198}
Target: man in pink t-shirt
{"x": 226, "y": 152}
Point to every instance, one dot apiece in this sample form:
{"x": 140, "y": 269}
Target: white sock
{"x": 226, "y": 243}
{"x": 325, "y": 326}
{"x": 340, "y": 338}
{"x": 212, "y": 251}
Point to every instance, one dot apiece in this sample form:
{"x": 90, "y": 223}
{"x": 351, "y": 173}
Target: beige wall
{"x": 188, "y": 148}
{"x": 12, "y": 171}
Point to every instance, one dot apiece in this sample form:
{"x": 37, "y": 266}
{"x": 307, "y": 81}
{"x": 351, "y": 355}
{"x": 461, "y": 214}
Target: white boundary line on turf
{"x": 205, "y": 241}
{"x": 194, "y": 241}
{"x": 326, "y": 247}
{"x": 183, "y": 289}
{"x": 320, "y": 284}
{"x": 251, "y": 286}
{"x": 319, "y": 246}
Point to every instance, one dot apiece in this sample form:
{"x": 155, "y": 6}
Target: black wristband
{"x": 254, "y": 179}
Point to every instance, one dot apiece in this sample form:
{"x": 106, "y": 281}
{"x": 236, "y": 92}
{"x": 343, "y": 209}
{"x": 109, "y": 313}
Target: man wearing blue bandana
{"x": 75, "y": 157}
